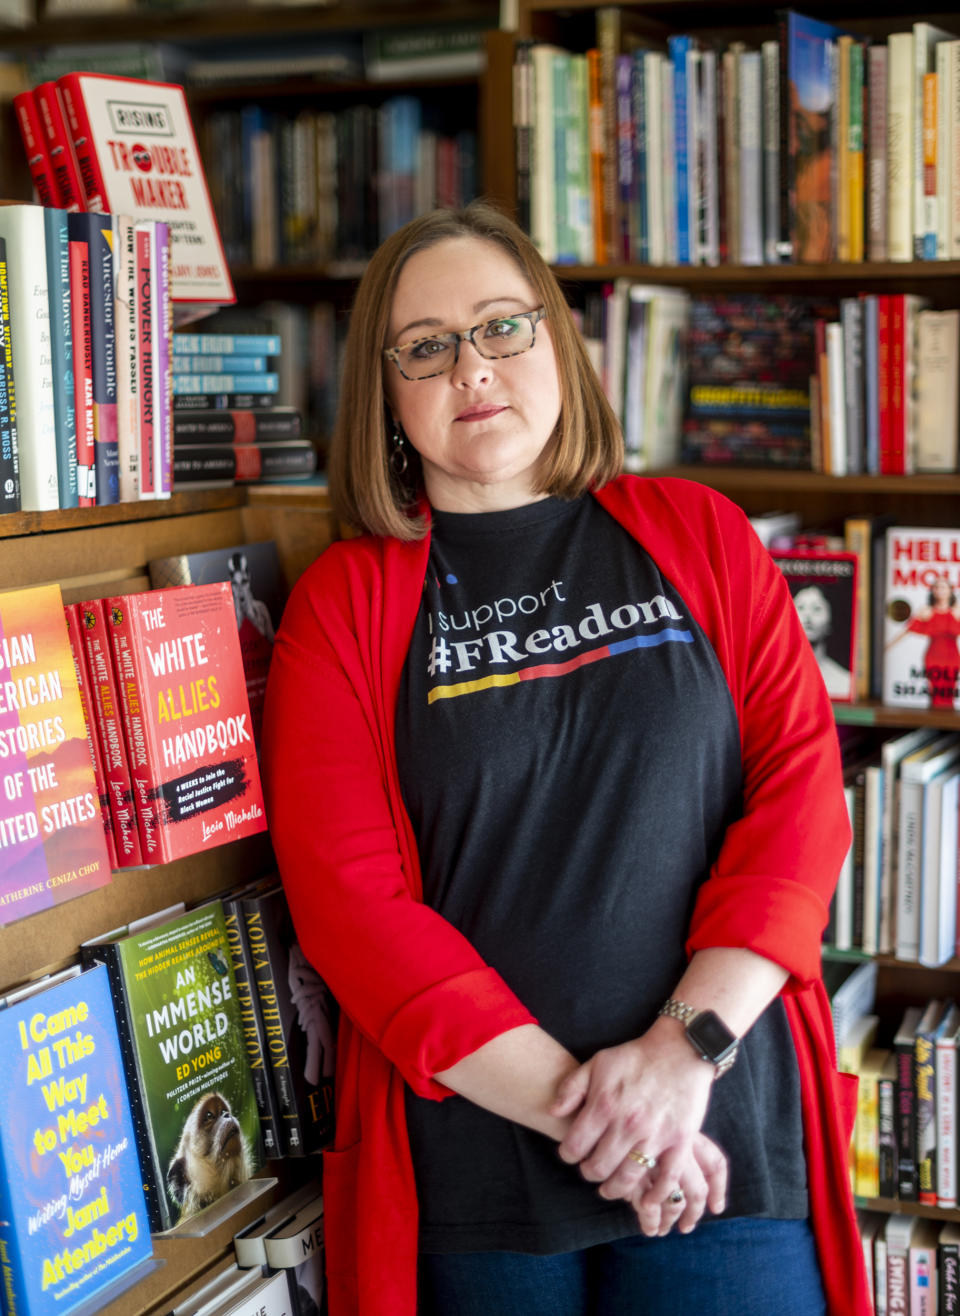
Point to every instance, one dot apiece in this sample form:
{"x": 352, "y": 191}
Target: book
{"x": 137, "y": 154}
{"x": 925, "y": 1084}
{"x": 938, "y": 395}
{"x": 258, "y": 1295}
{"x": 185, "y": 1060}
{"x": 409, "y": 53}
{"x": 267, "y": 381}
{"x": 917, "y": 770}
{"x": 948, "y": 1269}
{"x": 823, "y": 588}
{"x": 887, "y": 1127}
{"x": 898, "y": 1234}
{"x": 186, "y": 719}
{"x": 922, "y": 1268}
{"x": 34, "y": 144}
{"x": 128, "y": 358}
{"x": 940, "y": 807}
{"x": 68, "y": 186}
{"x": 259, "y": 593}
{"x": 295, "y": 1248}
{"x": 299, "y": 1014}
{"x": 81, "y": 330}
{"x": 852, "y": 989}
{"x": 245, "y": 344}
{"x": 946, "y": 1106}
{"x": 73, "y": 1221}
{"x": 871, "y": 1225}
{"x": 23, "y": 231}
{"x": 903, "y": 1048}
{"x": 900, "y": 115}
{"x": 51, "y": 831}
{"x": 248, "y": 1244}
{"x": 215, "y": 426}
{"x": 74, "y": 618}
{"x": 866, "y": 1179}
{"x": 9, "y": 443}
{"x": 61, "y": 346}
{"x": 96, "y": 231}
{"x": 196, "y": 465}
{"x": 921, "y": 662}
{"x": 108, "y": 723}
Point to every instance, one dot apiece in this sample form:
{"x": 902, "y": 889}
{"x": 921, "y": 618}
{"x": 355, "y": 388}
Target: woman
{"x": 940, "y": 622}
{"x": 816, "y": 618}
{"x": 573, "y": 819}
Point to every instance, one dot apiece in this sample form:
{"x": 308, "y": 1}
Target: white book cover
{"x": 248, "y": 1243}
{"x": 892, "y": 753}
{"x": 770, "y": 52}
{"x": 710, "y": 197}
{"x": 900, "y": 146}
{"x": 143, "y": 148}
{"x": 843, "y": 895}
{"x": 872, "y": 856}
{"x": 838, "y": 417}
{"x": 263, "y": 1295}
{"x": 938, "y": 390}
{"x": 944, "y": 148}
{"x": 921, "y": 610}
{"x": 22, "y": 228}
{"x": 953, "y": 250}
{"x": 946, "y": 1108}
{"x": 543, "y": 199}
{"x": 751, "y": 158}
{"x": 938, "y": 869}
{"x": 916, "y": 771}
{"x": 299, "y": 1238}
{"x": 665, "y": 384}
{"x": 653, "y": 109}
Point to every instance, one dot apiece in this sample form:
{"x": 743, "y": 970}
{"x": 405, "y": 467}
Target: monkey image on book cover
{"x": 187, "y": 719}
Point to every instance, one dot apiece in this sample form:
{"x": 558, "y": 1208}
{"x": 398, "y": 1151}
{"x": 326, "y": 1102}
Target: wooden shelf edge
{"x": 704, "y": 275}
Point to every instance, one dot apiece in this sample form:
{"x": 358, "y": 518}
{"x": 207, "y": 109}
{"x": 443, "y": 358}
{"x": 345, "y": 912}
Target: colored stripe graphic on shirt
{"x": 670, "y": 635}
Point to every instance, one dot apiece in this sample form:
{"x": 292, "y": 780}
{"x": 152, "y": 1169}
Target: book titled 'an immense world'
{"x": 73, "y": 1221}
{"x": 51, "y": 834}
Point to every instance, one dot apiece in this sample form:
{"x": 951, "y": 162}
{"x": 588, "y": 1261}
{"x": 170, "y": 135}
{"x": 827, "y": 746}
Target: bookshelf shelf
{"x": 773, "y": 277}
{"x": 14, "y": 524}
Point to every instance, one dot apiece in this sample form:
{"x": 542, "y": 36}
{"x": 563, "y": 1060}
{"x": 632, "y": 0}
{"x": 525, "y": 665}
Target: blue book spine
{"x": 641, "y": 237}
{"x": 96, "y": 231}
{"x": 9, "y": 451}
{"x": 269, "y": 382}
{"x": 238, "y": 344}
{"x": 192, "y": 363}
{"x": 678, "y": 48}
{"x": 871, "y": 379}
{"x": 73, "y": 1220}
{"x": 61, "y": 353}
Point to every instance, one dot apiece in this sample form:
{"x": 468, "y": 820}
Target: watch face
{"x": 711, "y": 1036}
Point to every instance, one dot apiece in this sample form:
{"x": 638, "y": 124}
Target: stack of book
{"x": 226, "y": 429}
{"x": 816, "y": 146}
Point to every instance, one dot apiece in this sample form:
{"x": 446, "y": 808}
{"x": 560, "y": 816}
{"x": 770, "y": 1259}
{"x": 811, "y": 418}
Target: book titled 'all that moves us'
{"x": 52, "y": 844}
{"x": 73, "y": 1221}
{"x": 186, "y": 713}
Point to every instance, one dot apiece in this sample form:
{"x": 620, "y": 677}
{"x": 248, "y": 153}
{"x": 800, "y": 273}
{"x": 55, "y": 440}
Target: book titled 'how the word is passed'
{"x": 52, "y": 845}
{"x": 73, "y": 1221}
{"x": 187, "y": 717}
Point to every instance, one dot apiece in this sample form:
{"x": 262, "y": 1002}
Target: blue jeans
{"x": 741, "y": 1267}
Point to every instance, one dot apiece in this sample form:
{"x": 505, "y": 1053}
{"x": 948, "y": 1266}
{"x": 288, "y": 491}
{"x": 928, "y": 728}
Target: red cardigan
{"x": 416, "y": 997}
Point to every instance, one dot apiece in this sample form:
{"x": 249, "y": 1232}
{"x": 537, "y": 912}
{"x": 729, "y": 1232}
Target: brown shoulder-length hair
{"x": 586, "y": 449}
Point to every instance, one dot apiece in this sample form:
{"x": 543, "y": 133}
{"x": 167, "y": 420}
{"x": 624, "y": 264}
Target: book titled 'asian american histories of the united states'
{"x": 73, "y": 1221}
{"x": 187, "y": 718}
{"x": 52, "y": 845}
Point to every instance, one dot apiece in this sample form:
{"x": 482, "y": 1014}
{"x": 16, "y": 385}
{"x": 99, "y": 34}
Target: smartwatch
{"x": 706, "y": 1032}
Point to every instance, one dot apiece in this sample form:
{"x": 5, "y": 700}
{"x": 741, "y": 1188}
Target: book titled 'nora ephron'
{"x": 187, "y": 719}
{"x": 52, "y": 845}
{"x": 138, "y": 156}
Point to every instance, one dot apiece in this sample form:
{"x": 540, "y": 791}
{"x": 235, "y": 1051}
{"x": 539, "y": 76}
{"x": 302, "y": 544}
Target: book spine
{"x": 162, "y": 379}
{"x": 896, "y": 449}
{"x": 884, "y": 381}
{"x": 122, "y": 624}
{"x": 81, "y": 137}
{"x": 927, "y": 241}
{"x": 12, "y": 1262}
{"x": 877, "y": 155}
{"x": 9, "y": 448}
{"x": 79, "y": 261}
{"x": 680, "y": 48}
{"x": 291, "y": 1131}
{"x": 239, "y": 426}
{"x": 267, "y": 382}
{"x": 245, "y": 463}
{"x": 770, "y": 55}
{"x": 128, "y": 393}
{"x": 786, "y": 246}
{"x": 108, "y": 719}
{"x": 69, "y": 186}
{"x": 942, "y": 181}
{"x": 146, "y": 367}
{"x": 61, "y": 350}
{"x": 851, "y": 317}
{"x": 900, "y": 146}
{"x": 871, "y": 386}
{"x": 953, "y": 203}
{"x": 908, "y": 870}
{"x": 74, "y": 615}
{"x": 38, "y": 159}
{"x": 906, "y": 1123}
{"x": 886, "y": 1136}
{"x": 924, "y": 1080}
{"x": 856, "y": 179}
{"x": 522, "y": 126}
{"x": 841, "y": 118}
{"x": 254, "y": 1038}
{"x": 867, "y": 1139}
{"x": 898, "y": 1290}
{"x": 946, "y": 1122}
{"x": 948, "y": 1277}
{"x": 608, "y": 41}
{"x": 103, "y": 359}
{"x": 191, "y": 363}
{"x": 236, "y": 344}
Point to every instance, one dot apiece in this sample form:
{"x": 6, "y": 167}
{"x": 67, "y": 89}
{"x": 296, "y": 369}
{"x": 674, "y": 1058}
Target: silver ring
{"x": 676, "y": 1196}
{"x": 648, "y": 1162}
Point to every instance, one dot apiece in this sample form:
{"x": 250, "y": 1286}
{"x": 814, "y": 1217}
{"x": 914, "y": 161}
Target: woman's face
{"x": 941, "y": 592}
{"x": 480, "y": 429}
{"x": 814, "y": 613}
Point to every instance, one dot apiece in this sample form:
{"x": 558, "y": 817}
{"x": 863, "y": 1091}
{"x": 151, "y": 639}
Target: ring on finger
{"x": 676, "y": 1197}
{"x": 648, "y": 1162}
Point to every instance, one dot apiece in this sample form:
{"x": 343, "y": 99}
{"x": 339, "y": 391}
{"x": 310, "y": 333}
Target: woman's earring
{"x": 398, "y": 457}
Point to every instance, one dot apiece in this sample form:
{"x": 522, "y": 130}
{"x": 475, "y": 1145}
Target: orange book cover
{"x": 51, "y": 834}
{"x": 595, "y": 109}
{"x": 187, "y": 718}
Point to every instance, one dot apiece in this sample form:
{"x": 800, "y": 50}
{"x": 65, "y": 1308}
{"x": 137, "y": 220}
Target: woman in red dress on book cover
{"x": 940, "y": 621}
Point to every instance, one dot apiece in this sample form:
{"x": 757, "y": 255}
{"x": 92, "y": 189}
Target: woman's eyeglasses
{"x": 507, "y": 335}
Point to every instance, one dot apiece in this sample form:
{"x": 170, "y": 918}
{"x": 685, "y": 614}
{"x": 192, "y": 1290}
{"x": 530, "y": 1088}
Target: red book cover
{"x": 883, "y": 381}
{"x": 38, "y": 158}
{"x": 75, "y": 632}
{"x": 191, "y": 742}
{"x": 51, "y": 835}
{"x": 105, "y": 705}
{"x": 83, "y": 369}
{"x": 897, "y": 368}
{"x": 138, "y": 156}
{"x": 143, "y": 257}
{"x": 69, "y": 186}
{"x": 84, "y": 146}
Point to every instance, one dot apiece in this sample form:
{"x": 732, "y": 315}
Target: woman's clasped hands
{"x": 637, "y": 1111}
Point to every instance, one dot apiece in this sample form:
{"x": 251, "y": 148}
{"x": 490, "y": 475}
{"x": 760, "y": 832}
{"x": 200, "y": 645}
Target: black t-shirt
{"x": 570, "y": 756}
